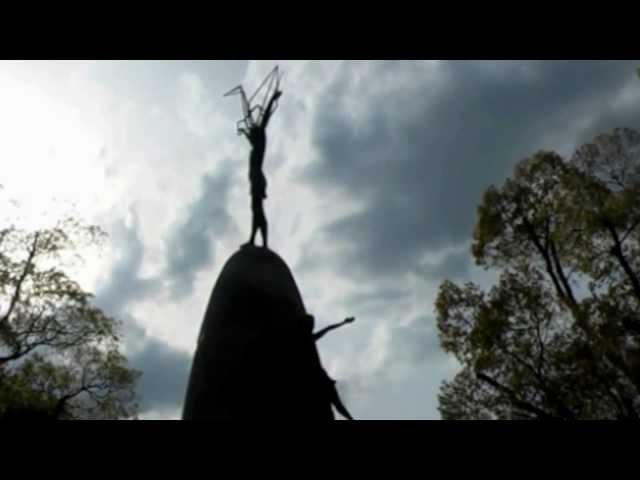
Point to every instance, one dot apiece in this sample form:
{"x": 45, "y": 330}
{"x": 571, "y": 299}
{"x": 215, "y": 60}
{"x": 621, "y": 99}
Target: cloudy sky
{"x": 375, "y": 169}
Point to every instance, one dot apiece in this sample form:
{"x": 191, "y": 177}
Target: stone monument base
{"x": 255, "y": 357}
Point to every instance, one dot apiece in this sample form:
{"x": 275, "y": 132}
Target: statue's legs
{"x": 259, "y": 221}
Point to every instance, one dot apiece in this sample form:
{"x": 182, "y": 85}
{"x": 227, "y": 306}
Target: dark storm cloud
{"x": 453, "y": 266}
{"x": 403, "y": 386}
{"x": 388, "y": 294}
{"x": 191, "y": 243}
{"x": 379, "y": 302}
{"x": 612, "y": 116}
{"x": 416, "y": 342}
{"x": 190, "y": 247}
{"x": 420, "y": 156}
{"x": 164, "y": 369}
{"x": 416, "y": 154}
{"x": 123, "y": 284}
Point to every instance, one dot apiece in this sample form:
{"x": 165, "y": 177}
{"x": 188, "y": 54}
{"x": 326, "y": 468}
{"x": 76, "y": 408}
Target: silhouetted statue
{"x": 254, "y": 127}
{"x": 257, "y": 136}
{"x": 256, "y": 355}
{"x": 329, "y": 384}
{"x": 334, "y": 398}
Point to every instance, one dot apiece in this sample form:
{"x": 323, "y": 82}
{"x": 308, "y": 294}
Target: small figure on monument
{"x": 330, "y": 383}
{"x": 334, "y": 397}
{"x": 254, "y": 129}
{"x": 257, "y": 137}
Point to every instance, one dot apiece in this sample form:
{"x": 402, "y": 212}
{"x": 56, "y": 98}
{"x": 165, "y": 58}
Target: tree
{"x": 59, "y": 355}
{"x": 558, "y": 336}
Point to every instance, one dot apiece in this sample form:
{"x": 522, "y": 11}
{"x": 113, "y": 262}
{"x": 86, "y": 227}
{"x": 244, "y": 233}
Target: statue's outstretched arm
{"x": 321, "y": 333}
{"x": 270, "y": 108}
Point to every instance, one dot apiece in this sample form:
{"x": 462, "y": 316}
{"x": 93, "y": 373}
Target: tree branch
{"x": 522, "y": 404}
{"x": 549, "y": 392}
{"x": 545, "y": 255}
{"x": 563, "y": 278}
{"x": 626, "y": 234}
{"x": 616, "y": 251}
{"x": 23, "y": 276}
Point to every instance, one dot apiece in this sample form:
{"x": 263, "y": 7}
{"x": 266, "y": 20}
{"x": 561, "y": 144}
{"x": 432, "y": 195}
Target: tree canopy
{"x": 59, "y": 354}
{"x": 558, "y": 336}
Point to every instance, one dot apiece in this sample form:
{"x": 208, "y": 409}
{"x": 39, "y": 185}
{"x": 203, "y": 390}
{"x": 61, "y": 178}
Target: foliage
{"x": 58, "y": 352}
{"x": 558, "y": 336}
